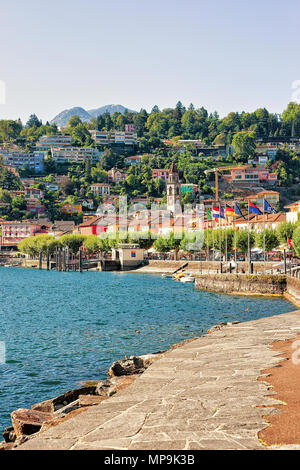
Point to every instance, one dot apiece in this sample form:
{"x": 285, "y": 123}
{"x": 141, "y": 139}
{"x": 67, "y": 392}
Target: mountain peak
{"x": 62, "y": 118}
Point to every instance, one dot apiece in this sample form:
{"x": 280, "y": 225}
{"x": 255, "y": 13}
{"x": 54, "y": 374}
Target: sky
{"x": 225, "y": 55}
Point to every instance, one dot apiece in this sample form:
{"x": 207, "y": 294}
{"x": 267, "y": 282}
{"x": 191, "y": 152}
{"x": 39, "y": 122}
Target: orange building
{"x": 71, "y": 208}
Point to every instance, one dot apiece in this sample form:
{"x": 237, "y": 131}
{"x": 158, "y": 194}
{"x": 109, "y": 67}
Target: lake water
{"x": 63, "y": 328}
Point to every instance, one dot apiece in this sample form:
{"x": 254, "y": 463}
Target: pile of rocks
{"x": 26, "y": 423}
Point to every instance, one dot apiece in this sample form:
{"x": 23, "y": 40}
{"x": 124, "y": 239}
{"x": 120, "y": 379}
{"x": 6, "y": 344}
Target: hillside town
{"x": 72, "y": 179}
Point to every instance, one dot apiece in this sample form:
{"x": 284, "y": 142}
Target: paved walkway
{"x": 203, "y": 395}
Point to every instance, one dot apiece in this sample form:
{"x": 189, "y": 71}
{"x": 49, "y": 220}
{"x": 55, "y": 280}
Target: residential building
{"x": 69, "y": 208}
{"x": 61, "y": 227}
{"x": 75, "y": 154}
{"x": 11, "y": 168}
{"x": 28, "y": 193}
{"x": 47, "y": 142}
{"x": 13, "y": 232}
{"x": 271, "y": 196}
{"x": 87, "y": 204}
{"x": 135, "y": 160}
{"x": 258, "y": 160}
{"x": 33, "y": 193}
{"x": 294, "y": 212}
{"x": 33, "y": 161}
{"x": 129, "y": 127}
{"x": 115, "y": 175}
{"x": 97, "y": 224}
{"x": 100, "y": 188}
{"x": 52, "y": 186}
{"x": 35, "y": 207}
{"x": 163, "y": 174}
{"x": 258, "y": 223}
{"x": 113, "y": 137}
{"x": 248, "y": 175}
{"x": 189, "y": 188}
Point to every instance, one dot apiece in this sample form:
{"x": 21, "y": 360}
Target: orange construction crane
{"x": 216, "y": 171}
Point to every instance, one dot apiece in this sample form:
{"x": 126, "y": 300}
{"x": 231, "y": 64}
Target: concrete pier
{"x": 201, "y": 395}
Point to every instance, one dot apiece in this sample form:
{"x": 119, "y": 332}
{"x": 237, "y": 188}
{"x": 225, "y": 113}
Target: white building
{"x": 114, "y": 137}
{"x": 34, "y": 161}
{"x": 100, "y": 188}
{"x": 47, "y": 142}
{"x": 75, "y": 154}
{"x": 294, "y": 212}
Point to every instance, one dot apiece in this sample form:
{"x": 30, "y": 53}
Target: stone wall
{"x": 242, "y": 284}
{"x": 293, "y": 290}
{"x": 194, "y": 266}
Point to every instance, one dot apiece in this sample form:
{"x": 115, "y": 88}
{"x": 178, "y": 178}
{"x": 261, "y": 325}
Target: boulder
{"x": 57, "y": 403}
{"x": 74, "y": 405}
{"x": 90, "y": 400}
{"x": 9, "y": 434}
{"x": 133, "y": 365}
{"x": 7, "y": 445}
{"x": 26, "y": 422}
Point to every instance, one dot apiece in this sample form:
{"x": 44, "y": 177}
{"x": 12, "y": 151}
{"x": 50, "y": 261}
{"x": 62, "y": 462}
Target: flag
{"x": 238, "y": 211}
{"x": 218, "y": 212}
{"x": 209, "y": 214}
{"x": 230, "y": 211}
{"x": 253, "y": 209}
{"x": 290, "y": 242}
{"x": 268, "y": 208}
{"x": 215, "y": 212}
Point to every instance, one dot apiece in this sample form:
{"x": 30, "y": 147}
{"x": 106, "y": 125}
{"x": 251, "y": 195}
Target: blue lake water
{"x": 63, "y": 328}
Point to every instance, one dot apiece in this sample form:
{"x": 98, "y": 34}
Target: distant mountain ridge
{"x": 62, "y": 118}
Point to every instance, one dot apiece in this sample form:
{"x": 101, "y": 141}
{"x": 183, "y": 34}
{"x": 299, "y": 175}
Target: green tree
{"x": 296, "y": 240}
{"x": 285, "y": 230}
{"x": 73, "y": 241}
{"x": 244, "y": 145}
{"x": 242, "y": 240}
{"x": 269, "y": 238}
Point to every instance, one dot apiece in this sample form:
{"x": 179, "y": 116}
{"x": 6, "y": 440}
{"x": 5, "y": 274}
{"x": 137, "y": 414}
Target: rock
{"x": 27, "y": 422}
{"x": 74, "y": 405}
{"x": 9, "y": 434}
{"x": 90, "y": 400}
{"x": 20, "y": 440}
{"x": 57, "y": 403}
{"x": 132, "y": 366}
{"x": 102, "y": 388}
{"x": 216, "y": 327}
{"x": 7, "y": 445}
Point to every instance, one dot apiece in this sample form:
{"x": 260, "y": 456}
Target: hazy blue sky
{"x": 228, "y": 55}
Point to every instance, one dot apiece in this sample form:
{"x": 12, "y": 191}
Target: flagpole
{"x": 220, "y": 236}
{"x": 226, "y": 237}
{"x": 234, "y": 222}
{"x": 249, "y": 251}
{"x": 207, "y": 256}
{"x": 213, "y": 237}
{"x": 264, "y": 237}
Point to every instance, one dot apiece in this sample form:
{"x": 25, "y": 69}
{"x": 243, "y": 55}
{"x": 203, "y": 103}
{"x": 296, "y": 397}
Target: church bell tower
{"x": 173, "y": 190}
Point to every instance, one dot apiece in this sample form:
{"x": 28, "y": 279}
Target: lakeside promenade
{"x": 205, "y": 394}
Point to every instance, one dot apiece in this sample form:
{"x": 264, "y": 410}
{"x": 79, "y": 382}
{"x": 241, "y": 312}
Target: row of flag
{"x": 222, "y": 213}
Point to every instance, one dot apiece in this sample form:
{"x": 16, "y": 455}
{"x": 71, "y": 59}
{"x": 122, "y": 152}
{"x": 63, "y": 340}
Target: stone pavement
{"x": 202, "y": 395}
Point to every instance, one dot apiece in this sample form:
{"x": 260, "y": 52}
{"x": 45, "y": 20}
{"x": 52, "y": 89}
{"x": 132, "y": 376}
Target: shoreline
{"x": 249, "y": 403}
{"x": 121, "y": 385}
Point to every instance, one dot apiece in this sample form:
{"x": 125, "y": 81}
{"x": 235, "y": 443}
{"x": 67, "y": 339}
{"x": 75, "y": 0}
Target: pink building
{"x": 13, "y": 232}
{"x": 129, "y": 127}
{"x": 160, "y": 173}
{"x": 241, "y": 174}
{"x": 35, "y": 207}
